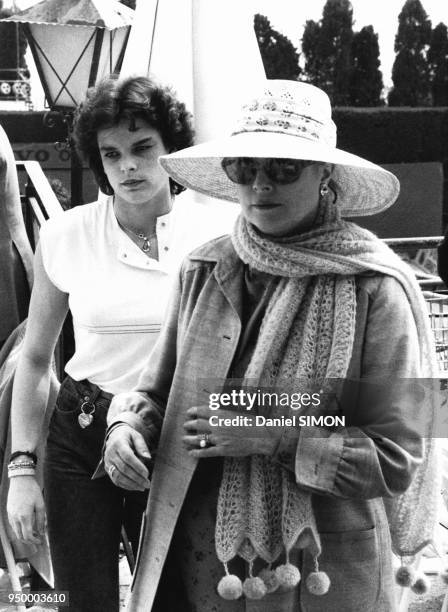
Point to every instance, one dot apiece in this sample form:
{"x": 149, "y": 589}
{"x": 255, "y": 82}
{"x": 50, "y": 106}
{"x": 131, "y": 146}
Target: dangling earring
{"x": 323, "y": 189}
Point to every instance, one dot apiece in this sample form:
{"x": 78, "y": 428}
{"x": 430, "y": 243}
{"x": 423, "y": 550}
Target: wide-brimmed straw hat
{"x": 286, "y": 119}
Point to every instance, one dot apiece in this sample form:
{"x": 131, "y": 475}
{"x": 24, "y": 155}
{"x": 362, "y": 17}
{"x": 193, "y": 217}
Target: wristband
{"x": 22, "y": 472}
{"x": 21, "y": 469}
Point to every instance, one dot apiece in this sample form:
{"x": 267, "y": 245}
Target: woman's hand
{"x": 26, "y": 509}
{"x": 124, "y": 458}
{"x": 225, "y": 439}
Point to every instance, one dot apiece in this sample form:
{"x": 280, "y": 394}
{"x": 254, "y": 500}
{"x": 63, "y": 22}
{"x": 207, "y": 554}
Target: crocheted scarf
{"x": 307, "y": 334}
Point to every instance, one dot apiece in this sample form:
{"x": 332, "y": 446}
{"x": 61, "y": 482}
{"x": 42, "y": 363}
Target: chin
{"x": 269, "y": 230}
{"x": 137, "y": 197}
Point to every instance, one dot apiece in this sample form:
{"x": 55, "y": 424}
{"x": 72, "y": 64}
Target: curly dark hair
{"x": 114, "y": 99}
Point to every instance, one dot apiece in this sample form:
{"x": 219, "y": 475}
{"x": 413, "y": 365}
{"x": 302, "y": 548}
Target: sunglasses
{"x": 243, "y": 170}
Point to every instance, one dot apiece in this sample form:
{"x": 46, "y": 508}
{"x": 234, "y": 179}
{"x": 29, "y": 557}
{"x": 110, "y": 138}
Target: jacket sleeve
{"x": 378, "y": 452}
{"x": 144, "y": 407}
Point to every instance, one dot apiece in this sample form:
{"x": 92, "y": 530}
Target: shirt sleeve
{"x": 378, "y": 456}
{"x": 54, "y": 247}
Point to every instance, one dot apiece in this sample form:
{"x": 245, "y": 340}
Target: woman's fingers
{"x": 27, "y": 532}
{"x": 127, "y": 480}
{"x": 16, "y": 528}
{"x": 194, "y": 441}
{"x": 129, "y": 470}
{"x": 200, "y": 425}
{"x": 211, "y": 451}
{"x": 26, "y": 509}
{"x": 201, "y": 412}
{"x": 41, "y": 521}
{"x": 125, "y": 468}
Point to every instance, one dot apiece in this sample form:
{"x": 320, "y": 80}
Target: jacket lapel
{"x": 201, "y": 364}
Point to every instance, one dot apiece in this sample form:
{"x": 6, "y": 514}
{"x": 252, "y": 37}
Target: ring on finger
{"x": 111, "y": 470}
{"x": 204, "y": 440}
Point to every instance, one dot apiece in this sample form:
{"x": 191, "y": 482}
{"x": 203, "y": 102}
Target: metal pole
{"x": 76, "y": 191}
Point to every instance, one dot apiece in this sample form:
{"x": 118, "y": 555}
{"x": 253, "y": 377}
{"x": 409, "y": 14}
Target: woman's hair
{"x": 132, "y": 98}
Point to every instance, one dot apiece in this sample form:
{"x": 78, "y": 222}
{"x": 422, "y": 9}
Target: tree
{"x": 410, "y": 72}
{"x": 438, "y": 64}
{"x": 310, "y": 51}
{"x": 280, "y": 57}
{"x": 130, "y": 3}
{"x": 327, "y": 49}
{"x": 366, "y": 79}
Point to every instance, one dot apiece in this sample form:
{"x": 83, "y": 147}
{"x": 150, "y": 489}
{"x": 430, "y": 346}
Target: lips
{"x": 266, "y": 205}
{"x": 132, "y": 183}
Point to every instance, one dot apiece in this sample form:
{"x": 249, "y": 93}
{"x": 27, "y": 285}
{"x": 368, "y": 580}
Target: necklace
{"x": 146, "y": 246}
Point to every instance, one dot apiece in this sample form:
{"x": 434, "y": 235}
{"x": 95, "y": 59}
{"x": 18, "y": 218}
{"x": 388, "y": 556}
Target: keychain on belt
{"x": 88, "y": 409}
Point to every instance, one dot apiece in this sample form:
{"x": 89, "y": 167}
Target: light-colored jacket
{"x": 348, "y": 472}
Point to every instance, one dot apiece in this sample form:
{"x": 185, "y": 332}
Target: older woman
{"x": 295, "y": 300}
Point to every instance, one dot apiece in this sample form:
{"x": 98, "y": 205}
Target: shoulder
{"x": 215, "y": 255}
{"x": 376, "y": 285}
{"x": 209, "y": 254}
{"x": 80, "y": 218}
{"x": 213, "y": 250}
{"x": 383, "y": 297}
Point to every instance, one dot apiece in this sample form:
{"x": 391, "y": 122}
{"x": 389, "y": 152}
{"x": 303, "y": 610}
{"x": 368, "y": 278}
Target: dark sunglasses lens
{"x": 284, "y": 171}
{"x": 243, "y": 170}
{"x": 240, "y": 170}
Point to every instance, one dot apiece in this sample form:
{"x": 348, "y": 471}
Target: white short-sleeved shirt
{"x": 117, "y": 295}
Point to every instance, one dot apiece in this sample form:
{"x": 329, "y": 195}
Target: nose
{"x": 128, "y": 164}
{"x": 262, "y": 183}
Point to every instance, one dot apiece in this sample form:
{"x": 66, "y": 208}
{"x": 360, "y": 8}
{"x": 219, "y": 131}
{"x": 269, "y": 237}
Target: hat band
{"x": 289, "y": 123}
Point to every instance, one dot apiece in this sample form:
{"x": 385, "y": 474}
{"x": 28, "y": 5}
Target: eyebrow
{"x": 143, "y": 141}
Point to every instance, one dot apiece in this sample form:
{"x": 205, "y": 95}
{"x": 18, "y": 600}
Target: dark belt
{"x": 91, "y": 392}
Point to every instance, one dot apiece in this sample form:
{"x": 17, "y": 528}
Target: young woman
{"x": 296, "y": 300}
{"x": 109, "y": 262}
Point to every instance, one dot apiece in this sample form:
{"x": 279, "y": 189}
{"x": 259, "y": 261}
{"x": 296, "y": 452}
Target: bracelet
{"x": 22, "y": 465}
{"x": 22, "y": 471}
{"x": 29, "y": 454}
{"x": 26, "y": 462}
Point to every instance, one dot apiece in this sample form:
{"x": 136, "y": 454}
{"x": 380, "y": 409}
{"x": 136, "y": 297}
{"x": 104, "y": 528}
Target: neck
{"x": 140, "y": 217}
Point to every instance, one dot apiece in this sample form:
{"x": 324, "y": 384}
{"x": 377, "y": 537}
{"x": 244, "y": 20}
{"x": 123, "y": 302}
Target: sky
{"x": 289, "y": 17}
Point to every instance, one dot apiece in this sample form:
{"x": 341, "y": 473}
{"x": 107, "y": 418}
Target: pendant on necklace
{"x": 146, "y": 246}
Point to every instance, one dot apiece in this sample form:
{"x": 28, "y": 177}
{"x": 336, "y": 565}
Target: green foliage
{"x": 438, "y": 64}
{"x": 310, "y": 50}
{"x": 394, "y": 135}
{"x": 366, "y": 79}
{"x": 410, "y": 72}
{"x": 327, "y": 49}
{"x": 61, "y": 193}
{"x": 280, "y": 58}
{"x": 12, "y": 49}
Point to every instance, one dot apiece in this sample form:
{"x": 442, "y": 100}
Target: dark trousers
{"x": 84, "y": 515}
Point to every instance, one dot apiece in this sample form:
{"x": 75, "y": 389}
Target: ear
{"x": 327, "y": 171}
